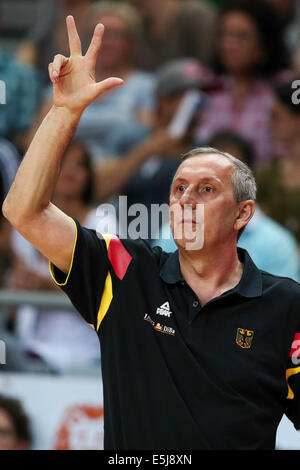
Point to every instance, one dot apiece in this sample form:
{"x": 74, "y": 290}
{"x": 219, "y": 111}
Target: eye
{"x": 180, "y": 188}
{"x": 207, "y": 189}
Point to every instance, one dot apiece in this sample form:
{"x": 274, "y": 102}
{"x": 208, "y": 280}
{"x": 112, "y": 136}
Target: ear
{"x": 245, "y": 212}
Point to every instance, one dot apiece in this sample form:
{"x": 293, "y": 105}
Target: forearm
{"x": 36, "y": 178}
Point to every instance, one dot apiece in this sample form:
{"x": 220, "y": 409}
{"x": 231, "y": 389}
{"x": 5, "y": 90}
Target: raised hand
{"x": 73, "y": 78}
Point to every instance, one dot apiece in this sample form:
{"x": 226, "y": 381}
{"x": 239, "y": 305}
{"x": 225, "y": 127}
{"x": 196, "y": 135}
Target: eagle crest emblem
{"x": 244, "y": 338}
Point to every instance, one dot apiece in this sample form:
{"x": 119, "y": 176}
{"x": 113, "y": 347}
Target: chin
{"x": 190, "y": 244}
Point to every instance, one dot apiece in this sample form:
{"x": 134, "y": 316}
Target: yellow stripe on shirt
{"x": 105, "y": 300}
{"x": 51, "y": 267}
{"x": 107, "y": 291}
{"x": 289, "y": 373}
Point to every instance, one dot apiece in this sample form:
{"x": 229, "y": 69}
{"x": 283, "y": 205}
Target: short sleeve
{"x": 85, "y": 281}
{"x": 293, "y": 382}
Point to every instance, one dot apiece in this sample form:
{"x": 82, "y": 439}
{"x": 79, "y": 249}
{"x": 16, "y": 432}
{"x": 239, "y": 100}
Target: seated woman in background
{"x": 131, "y": 103}
{"x": 250, "y": 53}
{"x": 173, "y": 29}
{"x": 60, "y": 338}
{"x": 279, "y": 181}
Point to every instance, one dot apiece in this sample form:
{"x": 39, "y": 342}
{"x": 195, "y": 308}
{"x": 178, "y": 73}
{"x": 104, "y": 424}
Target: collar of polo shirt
{"x": 250, "y": 284}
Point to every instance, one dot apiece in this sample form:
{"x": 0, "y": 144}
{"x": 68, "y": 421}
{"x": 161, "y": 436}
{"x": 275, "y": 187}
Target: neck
{"x": 243, "y": 77}
{"x": 216, "y": 270}
{"x": 241, "y": 86}
{"x": 242, "y": 82}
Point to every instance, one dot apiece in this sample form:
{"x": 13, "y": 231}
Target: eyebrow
{"x": 203, "y": 179}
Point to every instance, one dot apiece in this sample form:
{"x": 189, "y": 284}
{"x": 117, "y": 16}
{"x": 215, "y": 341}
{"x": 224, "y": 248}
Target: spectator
{"x": 289, "y": 14}
{"x": 16, "y": 359}
{"x": 60, "y": 338}
{"x": 279, "y": 181}
{"x": 47, "y": 35}
{"x": 20, "y": 94}
{"x": 9, "y": 162}
{"x": 250, "y": 53}
{"x": 130, "y": 104}
{"x": 174, "y": 29}
{"x": 284, "y": 8}
{"x": 272, "y": 247}
{"x": 146, "y": 160}
{"x": 15, "y": 433}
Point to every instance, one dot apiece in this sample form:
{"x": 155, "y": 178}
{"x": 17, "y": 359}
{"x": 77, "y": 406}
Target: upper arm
{"x": 88, "y": 276}
{"x": 53, "y": 234}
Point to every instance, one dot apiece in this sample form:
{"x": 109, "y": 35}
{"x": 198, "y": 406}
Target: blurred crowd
{"x": 242, "y": 57}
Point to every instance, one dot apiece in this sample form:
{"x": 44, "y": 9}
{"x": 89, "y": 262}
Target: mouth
{"x": 188, "y": 221}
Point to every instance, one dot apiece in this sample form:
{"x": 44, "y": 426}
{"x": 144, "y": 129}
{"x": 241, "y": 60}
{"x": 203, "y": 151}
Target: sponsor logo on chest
{"x": 164, "y": 310}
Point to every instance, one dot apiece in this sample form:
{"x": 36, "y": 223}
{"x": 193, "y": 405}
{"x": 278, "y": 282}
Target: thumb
{"x": 107, "y": 84}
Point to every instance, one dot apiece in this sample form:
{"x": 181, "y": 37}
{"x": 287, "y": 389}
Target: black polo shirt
{"x": 177, "y": 375}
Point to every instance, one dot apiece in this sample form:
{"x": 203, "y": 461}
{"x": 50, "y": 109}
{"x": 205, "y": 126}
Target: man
{"x": 196, "y": 347}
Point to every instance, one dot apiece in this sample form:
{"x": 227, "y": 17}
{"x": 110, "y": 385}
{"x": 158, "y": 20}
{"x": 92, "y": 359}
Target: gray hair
{"x": 243, "y": 181}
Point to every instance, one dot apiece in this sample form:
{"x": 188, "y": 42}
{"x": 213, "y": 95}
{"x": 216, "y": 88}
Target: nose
{"x": 188, "y": 198}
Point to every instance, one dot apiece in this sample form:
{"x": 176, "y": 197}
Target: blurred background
{"x": 237, "y": 63}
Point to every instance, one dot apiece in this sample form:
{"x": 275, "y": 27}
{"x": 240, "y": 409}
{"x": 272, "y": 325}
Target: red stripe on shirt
{"x": 118, "y": 256}
{"x": 295, "y": 350}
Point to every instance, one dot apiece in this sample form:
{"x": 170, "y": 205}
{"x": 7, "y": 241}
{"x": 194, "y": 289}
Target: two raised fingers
{"x": 75, "y": 48}
{"x": 75, "y": 43}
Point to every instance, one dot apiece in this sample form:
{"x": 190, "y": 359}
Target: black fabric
{"x": 174, "y": 375}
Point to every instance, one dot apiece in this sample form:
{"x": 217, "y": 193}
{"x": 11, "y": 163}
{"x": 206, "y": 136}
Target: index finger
{"x": 74, "y": 39}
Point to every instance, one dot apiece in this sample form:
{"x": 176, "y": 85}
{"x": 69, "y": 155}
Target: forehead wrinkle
{"x": 200, "y": 179}
{"x": 204, "y": 173}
